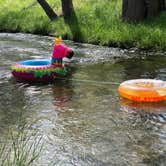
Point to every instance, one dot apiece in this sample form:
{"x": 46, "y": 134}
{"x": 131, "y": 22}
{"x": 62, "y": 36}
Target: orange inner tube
{"x": 143, "y": 90}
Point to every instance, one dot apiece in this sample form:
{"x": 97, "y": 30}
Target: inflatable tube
{"x": 37, "y": 70}
{"x": 143, "y": 90}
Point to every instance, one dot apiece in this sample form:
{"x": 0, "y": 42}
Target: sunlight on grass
{"x": 99, "y": 22}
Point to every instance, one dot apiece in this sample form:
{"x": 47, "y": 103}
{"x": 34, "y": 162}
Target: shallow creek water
{"x": 82, "y": 119}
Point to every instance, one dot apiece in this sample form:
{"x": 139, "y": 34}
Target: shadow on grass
{"x": 73, "y": 24}
{"x": 158, "y": 22}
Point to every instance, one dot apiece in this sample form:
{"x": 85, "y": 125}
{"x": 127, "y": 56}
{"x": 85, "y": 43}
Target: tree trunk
{"x": 138, "y": 10}
{"x": 153, "y": 7}
{"x": 71, "y": 20}
{"x": 162, "y": 4}
{"x": 67, "y": 8}
{"x": 134, "y": 10}
{"x": 48, "y": 10}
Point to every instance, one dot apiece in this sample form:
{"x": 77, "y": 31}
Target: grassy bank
{"x": 98, "y": 22}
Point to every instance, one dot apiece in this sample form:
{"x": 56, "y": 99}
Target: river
{"x": 82, "y": 119}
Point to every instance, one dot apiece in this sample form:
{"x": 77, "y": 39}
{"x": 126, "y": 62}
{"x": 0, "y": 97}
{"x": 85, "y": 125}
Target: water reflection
{"x": 62, "y": 95}
{"x": 153, "y": 107}
{"x": 155, "y": 111}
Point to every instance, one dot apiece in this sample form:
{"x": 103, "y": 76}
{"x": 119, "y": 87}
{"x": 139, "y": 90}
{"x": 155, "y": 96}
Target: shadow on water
{"x": 145, "y": 67}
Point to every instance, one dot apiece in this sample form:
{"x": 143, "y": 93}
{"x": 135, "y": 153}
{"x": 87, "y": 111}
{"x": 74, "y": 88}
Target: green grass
{"x": 20, "y": 148}
{"x": 98, "y": 22}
